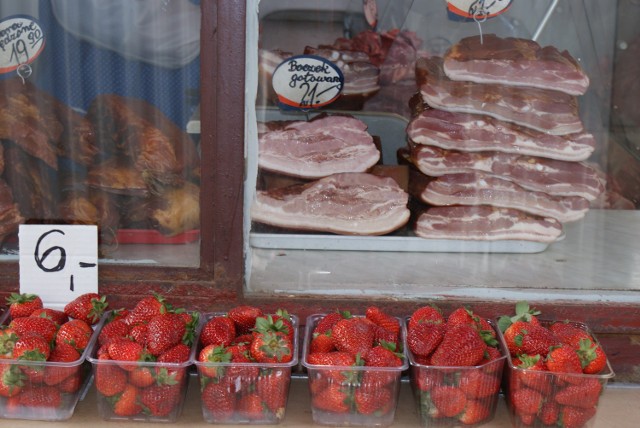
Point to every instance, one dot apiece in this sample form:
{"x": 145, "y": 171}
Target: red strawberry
{"x": 569, "y": 333}
{"x": 275, "y": 323}
{"x": 125, "y": 352}
{"x": 273, "y": 388}
{"x": 586, "y": 394}
{"x": 76, "y": 333}
{"x": 462, "y": 316}
{"x": 88, "y": 307}
{"x": 72, "y": 384}
{"x": 448, "y": 400}
{"x": 219, "y": 330}
{"x": 160, "y": 400}
{"x": 146, "y": 308}
{"x": 321, "y": 343}
{"x": 63, "y": 353}
{"x": 178, "y": 354}
{"x": 271, "y": 348}
{"x": 523, "y": 313}
{"x": 35, "y": 325}
{"x": 592, "y": 357}
{"x": 526, "y": 401}
{"x": 511, "y": 333}
{"x": 32, "y": 347}
{"x": 114, "y": 330}
{"x": 41, "y": 396}
{"x": 477, "y": 384}
{"x": 475, "y": 412}
{"x": 534, "y": 374}
{"x": 382, "y": 319}
{"x": 244, "y": 317}
{"x": 425, "y": 315}
{"x": 332, "y": 399}
{"x": 575, "y": 417}
{"x": 381, "y": 356}
{"x": 164, "y": 332}
{"x": 11, "y": 380}
{"x": 8, "y": 338}
{"x": 425, "y": 379}
{"x": 326, "y": 323}
{"x": 336, "y": 359}
{"x": 370, "y": 399}
{"x": 219, "y": 401}
{"x": 22, "y": 305}
{"x": 138, "y": 333}
{"x": 424, "y": 338}
{"x": 353, "y": 335}
{"x": 58, "y": 317}
{"x": 535, "y": 340}
{"x": 250, "y": 406}
{"x": 563, "y": 359}
{"x": 461, "y": 346}
{"x": 127, "y": 403}
{"x": 213, "y": 354}
{"x": 549, "y": 412}
{"x": 142, "y": 376}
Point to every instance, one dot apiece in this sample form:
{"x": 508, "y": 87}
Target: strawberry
{"x": 142, "y": 376}
{"x": 535, "y": 340}
{"x": 381, "y": 356}
{"x": 549, "y": 412}
{"x": 127, "y": 403}
{"x": 575, "y": 417}
{"x": 273, "y": 388}
{"x": 534, "y": 374}
{"x": 58, "y": 317}
{"x": 219, "y": 330}
{"x": 372, "y": 399}
{"x": 563, "y": 359}
{"x": 125, "y": 352}
{"x": 424, "y": 338}
{"x": 592, "y": 357}
{"x": 461, "y": 346}
{"x": 244, "y": 317}
{"x": 526, "y": 401}
{"x": 569, "y": 333}
{"x": 586, "y": 394}
{"x": 250, "y": 406}
{"x": 382, "y": 319}
{"x": 41, "y": 396}
{"x": 332, "y": 399}
{"x": 145, "y": 309}
{"x": 353, "y": 335}
{"x": 72, "y": 384}
{"x": 218, "y": 401}
{"x": 321, "y": 342}
{"x": 426, "y": 379}
{"x": 462, "y": 316}
{"x": 512, "y": 334}
{"x": 336, "y": 359}
{"x": 32, "y": 347}
{"x": 160, "y": 400}
{"x": 475, "y": 412}
{"x": 138, "y": 333}
{"x": 114, "y": 330}
{"x": 34, "y": 325}
{"x": 175, "y": 355}
{"x": 76, "y": 333}
{"x": 87, "y": 307}
{"x": 477, "y": 384}
{"x": 8, "y": 338}
{"x": 63, "y": 353}
{"x": 425, "y": 315}
{"x": 213, "y": 354}
{"x": 271, "y": 348}
{"x": 22, "y": 305}
{"x": 326, "y": 323}
{"x": 11, "y": 380}
{"x": 448, "y": 400}
{"x": 274, "y": 323}
{"x": 164, "y": 331}
{"x": 523, "y": 313}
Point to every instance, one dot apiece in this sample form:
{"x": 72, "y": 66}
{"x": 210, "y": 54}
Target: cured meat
{"x": 544, "y": 110}
{"x": 483, "y": 189}
{"x": 325, "y": 145}
{"x": 348, "y": 203}
{"x": 472, "y": 133}
{"x": 516, "y": 62}
{"x": 485, "y": 223}
{"x": 117, "y": 178}
{"x": 10, "y": 217}
{"x": 559, "y": 178}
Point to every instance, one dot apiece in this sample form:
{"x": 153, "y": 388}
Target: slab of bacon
{"x": 555, "y": 177}
{"x": 473, "y": 132}
{"x": 325, "y": 145}
{"x": 485, "y": 223}
{"x": 484, "y": 189}
{"x": 348, "y": 204}
{"x": 544, "y": 110}
{"x": 514, "y": 62}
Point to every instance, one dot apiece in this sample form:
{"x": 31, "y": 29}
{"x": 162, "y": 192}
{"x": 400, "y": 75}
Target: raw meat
{"x": 483, "y": 189}
{"x": 325, "y": 145}
{"x": 348, "y": 203}
{"x": 485, "y": 223}
{"x": 547, "y": 111}
{"x": 558, "y": 178}
{"x": 515, "y": 62}
{"x": 472, "y": 132}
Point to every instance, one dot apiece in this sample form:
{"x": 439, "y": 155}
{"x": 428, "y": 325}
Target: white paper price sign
{"x": 58, "y": 262}
{"x": 21, "y": 41}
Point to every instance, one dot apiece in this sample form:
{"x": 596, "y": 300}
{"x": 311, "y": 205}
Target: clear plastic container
{"x": 384, "y": 382}
{"x": 474, "y": 389}
{"x": 245, "y": 393}
{"x": 161, "y": 400}
{"x": 584, "y": 390}
{"x": 50, "y": 390}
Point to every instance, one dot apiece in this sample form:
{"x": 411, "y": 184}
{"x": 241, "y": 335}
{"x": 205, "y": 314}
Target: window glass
{"x": 95, "y": 126}
{"x": 472, "y": 146}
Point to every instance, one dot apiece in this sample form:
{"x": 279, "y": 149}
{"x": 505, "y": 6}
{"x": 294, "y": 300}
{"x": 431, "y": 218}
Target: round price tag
{"x": 307, "y": 82}
{"x": 21, "y": 42}
{"x": 476, "y": 10}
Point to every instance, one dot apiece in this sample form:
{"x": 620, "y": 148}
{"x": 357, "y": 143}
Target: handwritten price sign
{"x": 58, "y": 262}
{"x": 21, "y": 41}
{"x": 307, "y": 82}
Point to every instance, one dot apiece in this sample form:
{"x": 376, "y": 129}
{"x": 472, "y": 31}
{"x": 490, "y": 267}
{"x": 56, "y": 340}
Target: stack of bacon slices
{"x": 501, "y": 142}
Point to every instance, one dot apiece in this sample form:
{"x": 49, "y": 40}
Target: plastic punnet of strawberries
{"x": 456, "y": 366}
{"x": 42, "y": 355}
{"x": 557, "y": 370}
{"x": 141, "y": 360}
{"x": 354, "y": 365}
{"x": 244, "y": 362}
